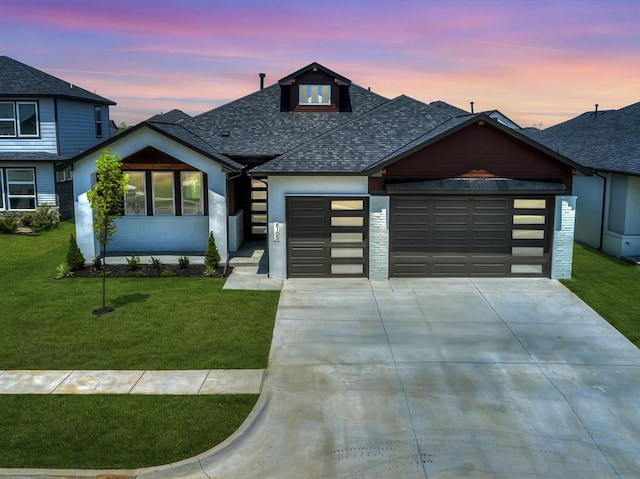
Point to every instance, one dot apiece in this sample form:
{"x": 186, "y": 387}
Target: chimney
{"x": 262, "y": 75}
{"x": 471, "y": 107}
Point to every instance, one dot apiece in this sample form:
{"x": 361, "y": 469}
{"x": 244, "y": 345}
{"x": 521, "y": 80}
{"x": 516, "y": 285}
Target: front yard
{"x": 610, "y": 286}
{"x": 158, "y": 323}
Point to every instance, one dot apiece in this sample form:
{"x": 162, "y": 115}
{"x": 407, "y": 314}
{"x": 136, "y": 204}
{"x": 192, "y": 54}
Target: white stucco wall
{"x": 622, "y": 222}
{"x": 282, "y": 186}
{"x": 161, "y": 233}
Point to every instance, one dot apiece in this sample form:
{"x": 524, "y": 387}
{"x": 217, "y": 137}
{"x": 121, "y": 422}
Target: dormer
{"x": 315, "y": 88}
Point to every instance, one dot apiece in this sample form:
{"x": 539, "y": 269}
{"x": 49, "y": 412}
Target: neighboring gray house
{"x": 43, "y": 120}
{"x": 338, "y": 181}
{"x": 608, "y": 215}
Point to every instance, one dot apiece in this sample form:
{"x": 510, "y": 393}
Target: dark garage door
{"x": 469, "y": 236}
{"x": 327, "y": 236}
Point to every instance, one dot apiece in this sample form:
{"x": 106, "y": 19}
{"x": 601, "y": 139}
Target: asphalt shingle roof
{"x": 18, "y": 79}
{"x": 255, "y": 126}
{"x": 607, "y": 140}
{"x": 173, "y": 116}
{"x": 34, "y": 156}
{"x": 368, "y": 140}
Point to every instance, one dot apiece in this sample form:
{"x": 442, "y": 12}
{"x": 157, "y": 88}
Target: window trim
{"x": 9, "y": 196}
{"x": 2, "y": 201}
{"x": 17, "y": 120}
{"x": 182, "y": 199}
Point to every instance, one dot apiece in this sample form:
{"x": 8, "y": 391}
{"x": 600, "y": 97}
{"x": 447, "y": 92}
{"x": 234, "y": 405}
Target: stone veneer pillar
{"x": 563, "y": 234}
{"x": 378, "y": 237}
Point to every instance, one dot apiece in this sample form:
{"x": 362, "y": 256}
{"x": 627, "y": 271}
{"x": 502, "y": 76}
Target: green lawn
{"x": 609, "y": 286}
{"x": 158, "y": 323}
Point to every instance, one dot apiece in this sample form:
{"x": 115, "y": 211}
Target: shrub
{"x": 64, "y": 271}
{"x": 183, "y": 262}
{"x": 43, "y": 219}
{"x": 8, "y": 224}
{"x": 211, "y": 256}
{"x": 155, "y": 262}
{"x": 209, "y": 271}
{"x": 167, "y": 273}
{"x": 75, "y": 258}
{"x": 96, "y": 262}
{"x": 140, "y": 274}
{"x": 134, "y": 262}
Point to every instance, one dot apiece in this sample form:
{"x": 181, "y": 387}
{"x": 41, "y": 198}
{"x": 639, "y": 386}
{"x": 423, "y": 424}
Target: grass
{"x": 610, "y": 286}
{"x": 114, "y": 431}
{"x": 158, "y": 323}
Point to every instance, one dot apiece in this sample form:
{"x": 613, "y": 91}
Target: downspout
{"x": 225, "y": 271}
{"x": 604, "y": 196}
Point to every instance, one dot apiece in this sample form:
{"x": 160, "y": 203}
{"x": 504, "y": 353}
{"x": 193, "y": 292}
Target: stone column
{"x": 379, "y": 237}
{"x": 563, "y": 234}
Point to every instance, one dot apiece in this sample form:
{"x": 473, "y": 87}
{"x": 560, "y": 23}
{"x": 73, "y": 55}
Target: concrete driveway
{"x": 446, "y": 378}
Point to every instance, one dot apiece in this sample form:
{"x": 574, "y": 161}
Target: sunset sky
{"x": 539, "y": 62}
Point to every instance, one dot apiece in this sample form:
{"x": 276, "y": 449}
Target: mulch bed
{"x": 146, "y": 271}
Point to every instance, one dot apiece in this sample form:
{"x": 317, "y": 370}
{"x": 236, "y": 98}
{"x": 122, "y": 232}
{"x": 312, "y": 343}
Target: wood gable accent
{"x": 479, "y": 150}
{"x": 315, "y": 74}
{"x": 150, "y": 158}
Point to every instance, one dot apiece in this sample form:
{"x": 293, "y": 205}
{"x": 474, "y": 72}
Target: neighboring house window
{"x": 19, "y": 119}
{"x": 163, "y": 200}
{"x": 21, "y": 188}
{"x": 192, "y": 194}
{"x": 315, "y": 94}
{"x": 168, "y": 196}
{"x": 135, "y": 202}
{"x": 98, "y": 116}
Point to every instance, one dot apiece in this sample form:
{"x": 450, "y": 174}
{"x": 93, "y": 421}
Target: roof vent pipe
{"x": 471, "y": 107}
{"x": 596, "y": 112}
{"x": 262, "y": 75}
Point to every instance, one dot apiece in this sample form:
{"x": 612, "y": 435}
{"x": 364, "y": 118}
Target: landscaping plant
{"x": 211, "y": 255}
{"x": 75, "y": 258}
{"x": 107, "y": 202}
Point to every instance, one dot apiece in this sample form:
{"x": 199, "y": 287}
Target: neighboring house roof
{"x": 499, "y": 116}
{"x": 255, "y": 126}
{"x": 20, "y": 80}
{"x": 449, "y": 109}
{"x": 604, "y": 140}
{"x": 174, "y": 116}
{"x": 35, "y": 156}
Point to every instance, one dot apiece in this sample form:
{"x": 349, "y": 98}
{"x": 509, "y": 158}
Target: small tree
{"x": 211, "y": 256}
{"x": 107, "y": 202}
{"x": 75, "y": 258}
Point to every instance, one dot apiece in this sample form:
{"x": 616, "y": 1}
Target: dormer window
{"x": 315, "y": 95}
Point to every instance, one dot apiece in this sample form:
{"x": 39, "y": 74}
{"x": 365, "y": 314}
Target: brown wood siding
{"x": 151, "y": 159}
{"x": 480, "y": 152}
{"x": 315, "y": 78}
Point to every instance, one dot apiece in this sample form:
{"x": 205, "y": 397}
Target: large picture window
{"x": 21, "y": 188}
{"x": 315, "y": 94}
{"x": 19, "y": 119}
{"x": 192, "y": 193}
{"x": 165, "y": 193}
{"x": 135, "y": 202}
{"x": 163, "y": 200}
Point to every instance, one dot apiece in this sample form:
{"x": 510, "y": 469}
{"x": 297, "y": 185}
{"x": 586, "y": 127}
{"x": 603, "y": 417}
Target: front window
{"x": 19, "y": 119}
{"x": 163, "y": 202}
{"x": 135, "y": 202}
{"x": 21, "y": 188}
{"x": 315, "y": 94}
{"x": 192, "y": 197}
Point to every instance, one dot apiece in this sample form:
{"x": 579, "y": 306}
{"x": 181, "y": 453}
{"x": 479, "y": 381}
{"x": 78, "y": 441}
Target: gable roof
{"x": 382, "y": 136}
{"x": 288, "y": 80}
{"x": 254, "y": 126}
{"x": 604, "y": 140}
{"x": 176, "y": 133}
{"x": 18, "y": 79}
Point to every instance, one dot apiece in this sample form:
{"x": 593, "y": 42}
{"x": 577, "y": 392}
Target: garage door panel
{"x": 471, "y": 236}
{"x": 327, "y": 236}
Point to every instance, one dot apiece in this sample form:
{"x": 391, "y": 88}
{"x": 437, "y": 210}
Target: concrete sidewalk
{"x": 179, "y": 382}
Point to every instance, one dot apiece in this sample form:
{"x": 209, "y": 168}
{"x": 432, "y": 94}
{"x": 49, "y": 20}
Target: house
{"x": 339, "y": 181}
{"x": 608, "y": 215}
{"x": 43, "y": 121}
